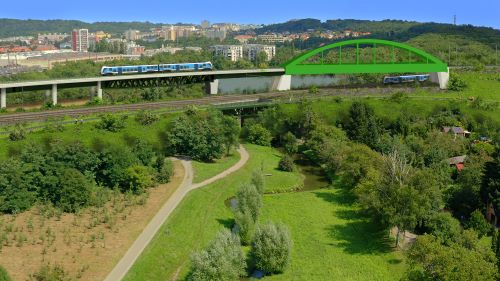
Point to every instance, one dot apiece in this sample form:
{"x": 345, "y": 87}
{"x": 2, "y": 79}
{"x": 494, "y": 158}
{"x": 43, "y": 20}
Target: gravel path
{"x": 122, "y": 267}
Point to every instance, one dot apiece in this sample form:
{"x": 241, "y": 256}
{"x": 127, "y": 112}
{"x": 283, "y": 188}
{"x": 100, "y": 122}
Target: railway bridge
{"x": 346, "y": 57}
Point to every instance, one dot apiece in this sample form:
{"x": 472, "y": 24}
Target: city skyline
{"x": 482, "y": 13}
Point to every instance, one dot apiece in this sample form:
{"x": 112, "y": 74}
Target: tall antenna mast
{"x": 454, "y": 19}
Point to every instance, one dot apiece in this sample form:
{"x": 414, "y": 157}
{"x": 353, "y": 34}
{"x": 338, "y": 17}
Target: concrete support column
{"x": 282, "y": 83}
{"x": 441, "y": 78}
{"x": 212, "y": 88}
{"x": 54, "y": 94}
{"x": 99, "y": 90}
{"x": 3, "y": 98}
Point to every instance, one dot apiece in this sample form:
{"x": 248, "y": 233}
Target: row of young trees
{"x": 399, "y": 172}
{"x": 270, "y": 243}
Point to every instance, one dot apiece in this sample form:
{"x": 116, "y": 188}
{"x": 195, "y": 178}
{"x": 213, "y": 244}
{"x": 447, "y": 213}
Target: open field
{"x": 332, "y": 240}
{"x": 87, "y": 244}
{"x": 321, "y": 222}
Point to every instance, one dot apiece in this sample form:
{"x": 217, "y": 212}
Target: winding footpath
{"x": 123, "y": 266}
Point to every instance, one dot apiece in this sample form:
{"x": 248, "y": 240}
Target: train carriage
{"x": 172, "y": 67}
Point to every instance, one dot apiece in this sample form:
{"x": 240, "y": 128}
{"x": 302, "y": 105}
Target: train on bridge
{"x": 155, "y": 68}
{"x": 405, "y": 78}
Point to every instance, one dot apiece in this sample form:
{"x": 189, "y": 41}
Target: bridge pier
{"x": 282, "y": 83}
{"x": 3, "y": 98}
{"x": 441, "y": 78}
{"x": 54, "y": 94}
{"x": 99, "y": 90}
{"x": 212, "y": 88}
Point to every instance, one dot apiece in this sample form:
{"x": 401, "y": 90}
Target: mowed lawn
{"x": 203, "y": 171}
{"x": 331, "y": 240}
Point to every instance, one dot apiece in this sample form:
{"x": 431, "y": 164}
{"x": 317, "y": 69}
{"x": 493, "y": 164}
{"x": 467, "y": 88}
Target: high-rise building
{"x": 80, "y": 40}
{"x": 250, "y": 51}
{"x": 132, "y": 35}
{"x": 231, "y": 52}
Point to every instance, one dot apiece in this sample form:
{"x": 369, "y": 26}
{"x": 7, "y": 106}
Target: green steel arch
{"x": 426, "y": 63}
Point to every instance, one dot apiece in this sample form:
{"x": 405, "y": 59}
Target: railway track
{"x": 7, "y": 119}
{"x": 41, "y": 116}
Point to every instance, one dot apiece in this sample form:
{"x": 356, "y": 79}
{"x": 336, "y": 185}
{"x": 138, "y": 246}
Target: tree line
{"x": 399, "y": 172}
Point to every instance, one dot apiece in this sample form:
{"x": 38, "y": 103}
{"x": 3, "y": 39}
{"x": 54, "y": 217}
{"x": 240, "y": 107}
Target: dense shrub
{"x": 222, "y": 260}
{"x": 110, "y": 122}
{"x": 137, "y": 179}
{"x": 146, "y": 118}
{"x": 259, "y": 135}
{"x": 271, "y": 248}
{"x": 286, "y": 163}
{"x": 456, "y": 83}
{"x": 17, "y": 133}
{"x": 164, "y": 169}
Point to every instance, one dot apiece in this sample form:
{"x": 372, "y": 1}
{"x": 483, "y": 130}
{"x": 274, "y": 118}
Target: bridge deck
{"x": 93, "y": 80}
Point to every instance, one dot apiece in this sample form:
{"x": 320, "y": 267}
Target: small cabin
{"x": 457, "y": 131}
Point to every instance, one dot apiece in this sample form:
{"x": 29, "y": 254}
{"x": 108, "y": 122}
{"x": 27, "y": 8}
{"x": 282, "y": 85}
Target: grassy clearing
{"x": 331, "y": 239}
{"x": 203, "y": 171}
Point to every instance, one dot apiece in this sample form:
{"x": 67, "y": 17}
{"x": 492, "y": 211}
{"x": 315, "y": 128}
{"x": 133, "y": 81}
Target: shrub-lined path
{"x": 122, "y": 267}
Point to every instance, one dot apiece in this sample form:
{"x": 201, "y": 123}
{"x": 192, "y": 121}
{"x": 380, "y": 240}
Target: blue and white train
{"x": 406, "y": 78}
{"x": 171, "y": 67}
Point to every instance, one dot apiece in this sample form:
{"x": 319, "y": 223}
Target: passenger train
{"x": 172, "y": 67}
{"x": 406, "y": 78}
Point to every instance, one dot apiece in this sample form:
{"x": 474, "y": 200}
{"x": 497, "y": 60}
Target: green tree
{"x": 249, "y": 200}
{"x": 230, "y": 132}
{"x": 198, "y": 134}
{"x": 222, "y": 260}
{"x": 290, "y": 144}
{"x": 431, "y": 260}
{"x": 286, "y": 163}
{"x": 245, "y": 225}
{"x": 74, "y": 191}
{"x": 399, "y": 196}
{"x": 18, "y": 187}
{"x": 479, "y": 223}
{"x": 259, "y": 135}
{"x": 258, "y": 180}
{"x": 143, "y": 151}
{"x": 456, "y": 83}
{"x": 164, "y": 169}
{"x": 362, "y": 124}
{"x": 271, "y": 247}
{"x": 138, "y": 178}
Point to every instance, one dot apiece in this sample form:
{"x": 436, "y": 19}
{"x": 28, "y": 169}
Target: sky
{"x": 477, "y": 12}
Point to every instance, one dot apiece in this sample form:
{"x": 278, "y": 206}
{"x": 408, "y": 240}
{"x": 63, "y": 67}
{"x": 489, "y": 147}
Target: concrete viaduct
{"x": 281, "y": 82}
